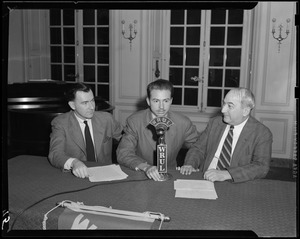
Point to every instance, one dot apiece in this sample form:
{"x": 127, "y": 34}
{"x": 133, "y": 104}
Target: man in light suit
{"x": 67, "y": 140}
{"x": 251, "y": 145}
{"x": 137, "y": 148}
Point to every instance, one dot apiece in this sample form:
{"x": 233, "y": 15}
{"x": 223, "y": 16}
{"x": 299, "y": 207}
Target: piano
{"x": 30, "y": 110}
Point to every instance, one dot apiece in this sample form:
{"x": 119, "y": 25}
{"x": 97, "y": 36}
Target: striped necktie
{"x": 89, "y": 143}
{"x": 225, "y": 156}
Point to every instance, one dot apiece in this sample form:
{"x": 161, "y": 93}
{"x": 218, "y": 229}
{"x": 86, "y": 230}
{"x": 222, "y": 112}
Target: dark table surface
{"x": 265, "y": 207}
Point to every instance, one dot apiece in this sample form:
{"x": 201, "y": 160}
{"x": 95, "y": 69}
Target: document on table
{"x": 195, "y": 189}
{"x": 106, "y": 173}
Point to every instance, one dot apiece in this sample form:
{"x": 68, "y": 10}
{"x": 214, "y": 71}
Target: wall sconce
{"x": 280, "y": 38}
{"x": 131, "y": 36}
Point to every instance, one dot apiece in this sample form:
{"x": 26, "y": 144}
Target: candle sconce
{"x": 280, "y": 37}
{"x": 131, "y": 35}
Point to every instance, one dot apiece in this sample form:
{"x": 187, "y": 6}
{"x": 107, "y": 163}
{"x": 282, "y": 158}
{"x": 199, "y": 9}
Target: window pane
{"x": 234, "y": 36}
{"x": 218, "y": 16}
{"x": 103, "y": 35}
{"x": 55, "y": 36}
{"x": 176, "y": 36}
{"x": 177, "y": 98}
{"x": 88, "y": 35}
{"x": 190, "y": 96}
{"x": 55, "y": 17}
{"x": 68, "y": 16}
{"x": 102, "y": 17}
{"x": 214, "y": 97}
{"x": 69, "y": 73}
{"x": 103, "y": 55}
{"x": 191, "y": 72}
{"x": 89, "y": 17}
{"x": 216, "y": 57}
{"x": 103, "y": 91}
{"x": 56, "y": 54}
{"x": 177, "y": 16}
{"x": 56, "y": 72}
{"x": 69, "y": 36}
{"x": 89, "y": 55}
{"x": 192, "y": 56}
{"x": 193, "y": 36}
{"x": 236, "y": 16}
{"x": 103, "y": 74}
{"x": 176, "y": 56}
{"x": 193, "y": 16}
{"x": 233, "y": 57}
{"x": 232, "y": 78}
{"x": 69, "y": 54}
{"x": 215, "y": 77}
{"x": 217, "y": 36}
{"x": 89, "y": 73}
{"x": 175, "y": 76}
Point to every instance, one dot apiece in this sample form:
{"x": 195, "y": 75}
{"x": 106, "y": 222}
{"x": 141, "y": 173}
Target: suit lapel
{"x": 242, "y": 142}
{"x": 147, "y": 132}
{"x": 75, "y": 132}
{"x": 217, "y": 133}
{"x": 98, "y": 133}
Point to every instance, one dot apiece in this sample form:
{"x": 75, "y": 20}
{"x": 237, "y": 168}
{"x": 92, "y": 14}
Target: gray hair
{"x": 246, "y": 97}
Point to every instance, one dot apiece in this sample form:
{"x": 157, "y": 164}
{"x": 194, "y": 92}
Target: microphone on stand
{"x": 161, "y": 125}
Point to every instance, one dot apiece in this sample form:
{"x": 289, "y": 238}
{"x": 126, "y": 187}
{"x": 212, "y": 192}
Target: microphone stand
{"x": 162, "y": 155}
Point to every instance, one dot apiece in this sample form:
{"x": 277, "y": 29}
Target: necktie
{"x": 225, "y": 156}
{"x": 89, "y": 143}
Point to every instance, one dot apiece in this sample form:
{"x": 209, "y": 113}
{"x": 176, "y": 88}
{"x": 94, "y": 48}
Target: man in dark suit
{"x": 137, "y": 147}
{"x": 67, "y": 140}
{"x": 251, "y": 145}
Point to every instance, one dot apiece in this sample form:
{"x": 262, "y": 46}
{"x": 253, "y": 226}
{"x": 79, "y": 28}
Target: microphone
{"x": 161, "y": 125}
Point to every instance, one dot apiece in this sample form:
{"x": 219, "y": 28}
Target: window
{"x": 79, "y": 43}
{"x": 207, "y": 56}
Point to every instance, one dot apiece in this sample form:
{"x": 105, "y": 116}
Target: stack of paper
{"x": 195, "y": 189}
{"x": 106, "y": 173}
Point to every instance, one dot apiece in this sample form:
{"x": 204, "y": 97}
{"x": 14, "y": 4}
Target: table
{"x": 265, "y": 207}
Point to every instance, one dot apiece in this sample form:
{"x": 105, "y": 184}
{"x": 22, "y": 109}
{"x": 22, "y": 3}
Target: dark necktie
{"x": 225, "y": 156}
{"x": 89, "y": 143}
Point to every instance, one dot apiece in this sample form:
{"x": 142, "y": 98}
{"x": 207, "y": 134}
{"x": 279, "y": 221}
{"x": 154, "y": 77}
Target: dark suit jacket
{"x": 66, "y": 139}
{"x": 251, "y": 156}
{"x": 138, "y": 146}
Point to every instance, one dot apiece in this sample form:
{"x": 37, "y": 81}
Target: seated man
{"x": 137, "y": 148}
{"x": 71, "y": 131}
{"x": 247, "y": 149}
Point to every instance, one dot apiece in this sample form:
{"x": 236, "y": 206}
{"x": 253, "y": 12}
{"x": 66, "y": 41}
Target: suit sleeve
{"x": 197, "y": 152}
{"x": 255, "y": 161}
{"x": 57, "y": 156}
{"x": 190, "y": 135}
{"x": 126, "y": 151}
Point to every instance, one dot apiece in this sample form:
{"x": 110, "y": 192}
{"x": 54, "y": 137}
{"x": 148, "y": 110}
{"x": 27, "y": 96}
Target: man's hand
{"x": 217, "y": 175}
{"x": 152, "y": 173}
{"x": 79, "y": 169}
{"x": 187, "y": 169}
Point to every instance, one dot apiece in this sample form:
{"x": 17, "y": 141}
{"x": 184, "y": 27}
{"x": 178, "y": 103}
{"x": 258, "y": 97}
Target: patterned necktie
{"x": 89, "y": 143}
{"x": 225, "y": 156}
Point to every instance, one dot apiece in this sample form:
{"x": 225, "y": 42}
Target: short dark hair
{"x": 71, "y": 93}
{"x": 160, "y": 84}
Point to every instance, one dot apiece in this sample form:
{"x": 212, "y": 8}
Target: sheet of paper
{"x": 194, "y": 184}
{"x": 106, "y": 173}
{"x": 195, "y": 189}
{"x": 188, "y": 193}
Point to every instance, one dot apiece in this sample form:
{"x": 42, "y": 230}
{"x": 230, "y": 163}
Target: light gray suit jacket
{"x": 251, "y": 156}
{"x": 138, "y": 146}
{"x": 66, "y": 139}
